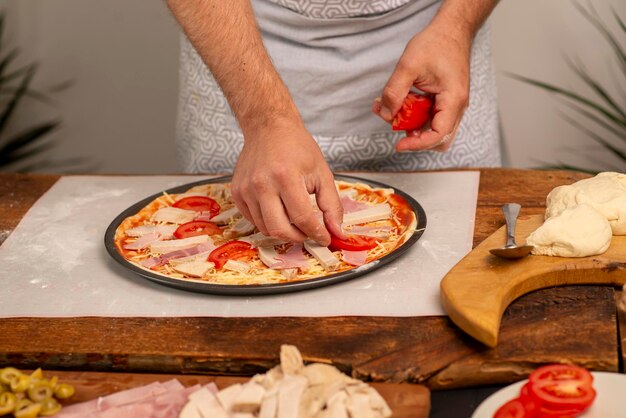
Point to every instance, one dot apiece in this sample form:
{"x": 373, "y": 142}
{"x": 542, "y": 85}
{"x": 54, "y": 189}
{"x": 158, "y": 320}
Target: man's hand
{"x": 280, "y": 164}
{"x": 437, "y": 62}
{"x": 277, "y": 170}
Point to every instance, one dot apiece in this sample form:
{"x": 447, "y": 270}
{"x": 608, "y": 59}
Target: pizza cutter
{"x": 511, "y": 250}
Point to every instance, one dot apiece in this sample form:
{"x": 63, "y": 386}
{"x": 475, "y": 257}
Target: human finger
{"x": 395, "y": 91}
{"x": 377, "y": 105}
{"x": 240, "y": 202}
{"x": 277, "y": 221}
{"x": 447, "y": 140}
{"x": 448, "y": 110}
{"x": 330, "y": 204}
{"x": 300, "y": 212}
{"x": 257, "y": 216}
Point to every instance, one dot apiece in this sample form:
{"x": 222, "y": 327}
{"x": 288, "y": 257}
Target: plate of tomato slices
{"x": 559, "y": 390}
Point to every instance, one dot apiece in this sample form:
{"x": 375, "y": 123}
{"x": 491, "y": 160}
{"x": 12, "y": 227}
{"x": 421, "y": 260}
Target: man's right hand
{"x": 280, "y": 164}
{"x": 277, "y": 170}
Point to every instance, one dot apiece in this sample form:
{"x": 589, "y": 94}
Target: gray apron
{"x": 335, "y": 56}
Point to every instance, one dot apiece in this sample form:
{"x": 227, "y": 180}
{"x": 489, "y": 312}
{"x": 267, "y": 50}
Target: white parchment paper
{"x": 54, "y": 264}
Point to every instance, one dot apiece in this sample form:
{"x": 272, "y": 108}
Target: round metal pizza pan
{"x": 261, "y": 289}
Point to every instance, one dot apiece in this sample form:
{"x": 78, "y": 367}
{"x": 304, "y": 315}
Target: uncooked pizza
{"x": 199, "y": 235}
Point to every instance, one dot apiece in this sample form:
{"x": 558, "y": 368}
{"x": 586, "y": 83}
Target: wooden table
{"x": 568, "y": 324}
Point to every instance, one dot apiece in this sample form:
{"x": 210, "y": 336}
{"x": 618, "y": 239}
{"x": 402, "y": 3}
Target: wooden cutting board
{"x": 477, "y": 290}
{"x": 405, "y": 400}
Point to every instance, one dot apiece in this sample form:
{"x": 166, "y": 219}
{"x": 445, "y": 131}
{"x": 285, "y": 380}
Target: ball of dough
{"x": 605, "y": 192}
{"x": 579, "y": 231}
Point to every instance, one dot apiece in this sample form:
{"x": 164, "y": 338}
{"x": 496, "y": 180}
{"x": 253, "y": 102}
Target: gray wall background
{"x": 122, "y": 57}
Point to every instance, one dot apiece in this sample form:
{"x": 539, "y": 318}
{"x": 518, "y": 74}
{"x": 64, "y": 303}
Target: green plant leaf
{"x": 580, "y": 70}
{"x": 594, "y": 19}
{"x": 596, "y": 119}
{"x": 14, "y": 75}
{"x": 6, "y": 61}
{"x": 620, "y": 154}
{"x": 8, "y": 111}
{"x": 1, "y": 29}
{"x": 43, "y": 98}
{"x": 29, "y": 137}
{"x": 24, "y": 154}
{"x": 619, "y": 20}
{"x": 574, "y": 96}
{"x": 21, "y": 152}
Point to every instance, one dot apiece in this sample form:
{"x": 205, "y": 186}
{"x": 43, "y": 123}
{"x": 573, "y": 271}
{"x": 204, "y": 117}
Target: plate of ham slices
{"x": 287, "y": 390}
{"x": 193, "y": 237}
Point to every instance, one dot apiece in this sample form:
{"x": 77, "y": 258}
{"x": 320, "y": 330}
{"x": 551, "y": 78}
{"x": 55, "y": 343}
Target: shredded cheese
{"x": 259, "y": 273}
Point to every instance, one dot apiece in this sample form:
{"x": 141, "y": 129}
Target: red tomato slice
{"x": 199, "y": 204}
{"x": 415, "y": 112}
{"x": 195, "y": 228}
{"x": 512, "y": 409}
{"x": 530, "y": 404}
{"x": 561, "y": 387}
{"x": 352, "y": 243}
{"x": 561, "y": 372}
{"x": 562, "y": 395}
{"x": 553, "y": 413}
{"x": 232, "y": 250}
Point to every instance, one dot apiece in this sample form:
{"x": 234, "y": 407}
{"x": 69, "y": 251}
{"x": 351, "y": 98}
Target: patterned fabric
{"x": 209, "y": 139}
{"x": 335, "y": 9}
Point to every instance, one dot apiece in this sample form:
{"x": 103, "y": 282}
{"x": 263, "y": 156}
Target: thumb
{"x": 395, "y": 91}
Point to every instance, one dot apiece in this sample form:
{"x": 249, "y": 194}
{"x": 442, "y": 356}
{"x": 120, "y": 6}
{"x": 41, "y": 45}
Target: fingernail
{"x": 324, "y": 242}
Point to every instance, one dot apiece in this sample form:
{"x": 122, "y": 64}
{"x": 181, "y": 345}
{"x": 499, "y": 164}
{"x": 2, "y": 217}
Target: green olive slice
{"x": 37, "y": 374}
{"x": 38, "y": 391}
{"x": 8, "y": 374}
{"x": 20, "y": 383}
{"x": 63, "y": 391}
{"x": 26, "y": 409}
{"x": 49, "y": 407}
{"x": 53, "y": 382}
{"x": 8, "y": 401}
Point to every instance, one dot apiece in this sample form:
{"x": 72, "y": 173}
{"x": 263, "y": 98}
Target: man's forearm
{"x": 464, "y": 17}
{"x": 226, "y": 36}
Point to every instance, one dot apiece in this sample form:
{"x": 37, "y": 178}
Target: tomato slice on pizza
{"x": 232, "y": 250}
{"x": 195, "y": 228}
{"x": 199, "y": 204}
{"x": 200, "y": 235}
{"x": 352, "y": 243}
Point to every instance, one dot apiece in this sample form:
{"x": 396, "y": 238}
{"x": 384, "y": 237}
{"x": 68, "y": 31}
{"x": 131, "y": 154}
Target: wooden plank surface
{"x": 405, "y": 400}
{"x": 620, "y": 297}
{"x": 424, "y": 349}
{"x": 477, "y": 290}
{"x": 555, "y": 325}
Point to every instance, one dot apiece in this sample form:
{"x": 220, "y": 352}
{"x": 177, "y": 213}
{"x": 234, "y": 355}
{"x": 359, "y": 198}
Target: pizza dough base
{"x": 579, "y": 231}
{"x": 606, "y": 193}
